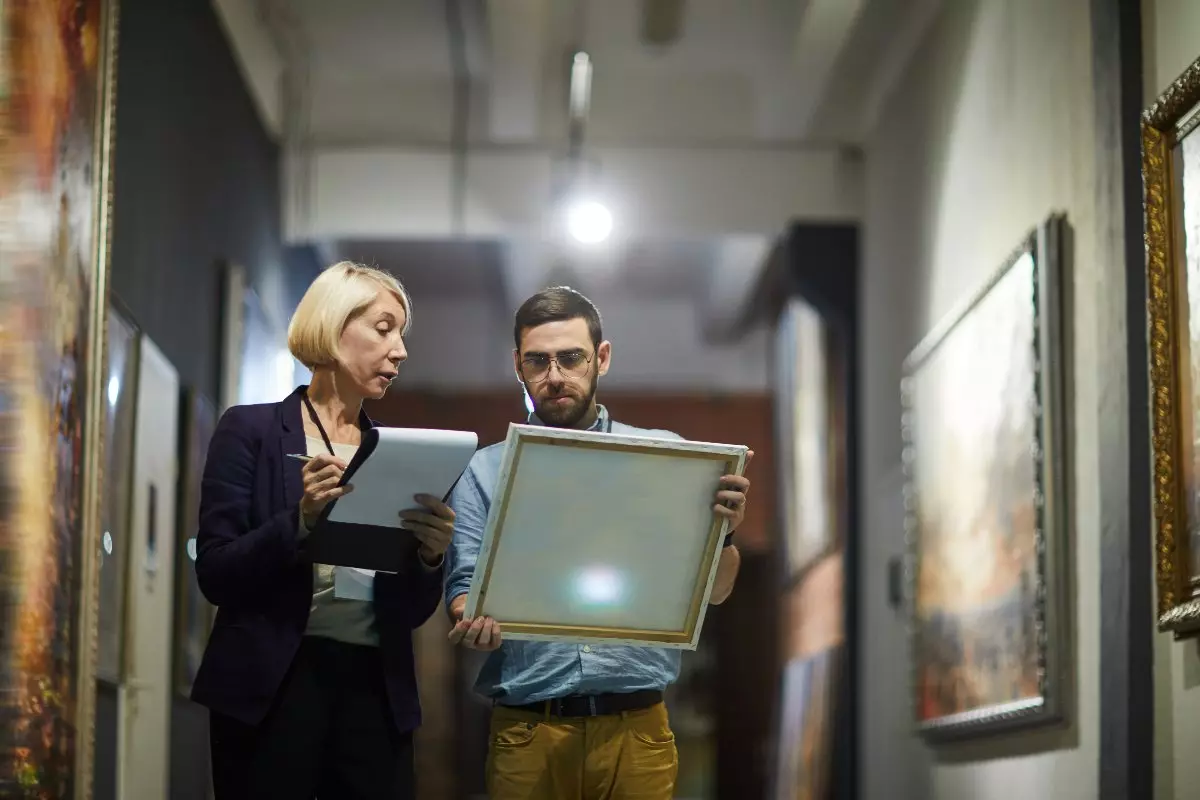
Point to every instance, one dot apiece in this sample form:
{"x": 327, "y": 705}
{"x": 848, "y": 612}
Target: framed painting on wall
{"x": 810, "y": 432}
{"x": 813, "y": 636}
{"x": 1171, "y": 202}
{"x": 193, "y": 613}
{"x": 256, "y": 365}
{"x": 56, "y": 113}
{"x": 986, "y": 518}
{"x": 120, "y": 394}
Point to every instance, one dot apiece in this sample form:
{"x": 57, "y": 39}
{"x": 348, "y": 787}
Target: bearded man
{"x": 569, "y": 722}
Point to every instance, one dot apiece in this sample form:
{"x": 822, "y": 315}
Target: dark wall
{"x": 196, "y": 183}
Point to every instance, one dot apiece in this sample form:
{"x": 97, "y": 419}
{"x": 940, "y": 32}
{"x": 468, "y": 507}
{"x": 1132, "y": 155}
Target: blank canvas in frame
{"x": 985, "y": 461}
{"x": 602, "y": 537}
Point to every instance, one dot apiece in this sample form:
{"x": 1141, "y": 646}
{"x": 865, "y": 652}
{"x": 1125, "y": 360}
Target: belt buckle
{"x": 592, "y": 705}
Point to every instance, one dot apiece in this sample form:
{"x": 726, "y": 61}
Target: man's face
{"x": 560, "y": 368}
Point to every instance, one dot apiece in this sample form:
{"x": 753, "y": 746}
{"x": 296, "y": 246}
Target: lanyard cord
{"x": 312, "y": 412}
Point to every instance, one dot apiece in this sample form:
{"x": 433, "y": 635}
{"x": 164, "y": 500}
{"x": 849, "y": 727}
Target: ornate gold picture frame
{"x": 1171, "y": 202}
{"x": 602, "y": 537}
{"x": 57, "y": 100}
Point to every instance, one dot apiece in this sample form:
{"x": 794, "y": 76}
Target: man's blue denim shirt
{"x": 529, "y": 672}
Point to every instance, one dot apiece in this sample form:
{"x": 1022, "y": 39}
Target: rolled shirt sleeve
{"x": 470, "y": 504}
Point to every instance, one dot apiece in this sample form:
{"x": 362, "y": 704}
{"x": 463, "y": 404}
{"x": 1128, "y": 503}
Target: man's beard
{"x": 556, "y": 416}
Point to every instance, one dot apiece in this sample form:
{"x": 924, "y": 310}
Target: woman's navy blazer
{"x": 250, "y": 563}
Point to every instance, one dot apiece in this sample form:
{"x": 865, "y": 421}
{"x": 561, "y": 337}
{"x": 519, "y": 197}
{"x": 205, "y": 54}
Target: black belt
{"x": 593, "y": 705}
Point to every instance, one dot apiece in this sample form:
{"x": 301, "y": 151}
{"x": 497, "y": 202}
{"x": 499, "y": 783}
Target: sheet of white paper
{"x": 406, "y": 462}
{"x": 352, "y": 583}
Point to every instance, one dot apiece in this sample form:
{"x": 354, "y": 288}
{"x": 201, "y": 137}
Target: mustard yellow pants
{"x": 627, "y": 756}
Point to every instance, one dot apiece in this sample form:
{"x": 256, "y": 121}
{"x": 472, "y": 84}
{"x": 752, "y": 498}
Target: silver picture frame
{"x": 987, "y": 583}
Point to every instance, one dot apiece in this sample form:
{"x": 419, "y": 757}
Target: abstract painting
{"x": 984, "y": 460}
{"x": 56, "y": 106}
{"x": 193, "y": 613}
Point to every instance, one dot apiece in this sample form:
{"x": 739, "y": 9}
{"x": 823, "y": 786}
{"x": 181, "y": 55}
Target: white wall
{"x": 1171, "y": 41}
{"x": 989, "y": 132}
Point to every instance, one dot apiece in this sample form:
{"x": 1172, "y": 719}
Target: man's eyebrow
{"x": 541, "y": 354}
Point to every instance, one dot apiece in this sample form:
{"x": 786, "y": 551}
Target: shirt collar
{"x": 600, "y": 424}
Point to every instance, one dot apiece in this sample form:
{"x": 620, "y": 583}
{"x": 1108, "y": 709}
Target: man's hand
{"x": 433, "y": 527}
{"x": 731, "y": 496}
{"x": 481, "y": 633}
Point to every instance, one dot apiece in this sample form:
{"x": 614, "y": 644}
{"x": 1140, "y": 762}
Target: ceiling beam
{"x": 517, "y": 39}
{"x": 655, "y": 194}
{"x": 258, "y": 59}
{"x": 791, "y": 91}
{"x": 908, "y": 36}
{"x": 732, "y": 292}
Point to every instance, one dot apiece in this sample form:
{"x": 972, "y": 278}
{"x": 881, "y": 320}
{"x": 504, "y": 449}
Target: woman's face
{"x": 372, "y": 346}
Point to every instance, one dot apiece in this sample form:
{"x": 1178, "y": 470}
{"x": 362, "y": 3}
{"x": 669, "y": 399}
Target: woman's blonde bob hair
{"x": 339, "y": 292}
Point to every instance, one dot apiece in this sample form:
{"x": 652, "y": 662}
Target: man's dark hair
{"x": 557, "y": 304}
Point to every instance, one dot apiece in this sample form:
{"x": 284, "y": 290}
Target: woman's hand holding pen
{"x": 321, "y": 475}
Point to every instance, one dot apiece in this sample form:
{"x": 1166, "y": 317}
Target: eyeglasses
{"x": 571, "y": 364}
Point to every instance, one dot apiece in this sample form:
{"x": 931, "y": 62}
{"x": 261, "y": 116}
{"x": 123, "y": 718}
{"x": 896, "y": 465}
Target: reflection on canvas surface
{"x": 49, "y": 78}
{"x": 974, "y": 429}
{"x": 632, "y": 567}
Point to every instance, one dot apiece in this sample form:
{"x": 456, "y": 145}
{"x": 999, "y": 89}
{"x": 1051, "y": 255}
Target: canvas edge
{"x": 656, "y": 442}
{"x": 1045, "y": 243}
{"x": 715, "y": 556}
{"x": 87, "y": 651}
{"x": 479, "y": 577}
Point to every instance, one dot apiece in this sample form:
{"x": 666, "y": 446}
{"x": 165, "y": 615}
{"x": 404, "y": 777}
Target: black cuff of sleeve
{"x": 728, "y": 540}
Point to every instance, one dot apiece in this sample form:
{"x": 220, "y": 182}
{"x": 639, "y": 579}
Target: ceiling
{"x": 729, "y": 71}
{"x": 721, "y": 120}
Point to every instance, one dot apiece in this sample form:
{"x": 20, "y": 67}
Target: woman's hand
{"x": 321, "y": 475}
{"x": 433, "y": 527}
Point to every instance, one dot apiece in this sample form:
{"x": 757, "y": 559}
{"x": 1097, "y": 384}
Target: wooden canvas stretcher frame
{"x": 520, "y": 437}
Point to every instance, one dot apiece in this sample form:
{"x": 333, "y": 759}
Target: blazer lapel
{"x": 292, "y": 441}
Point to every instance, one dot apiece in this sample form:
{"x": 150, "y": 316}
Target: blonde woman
{"x": 309, "y": 693}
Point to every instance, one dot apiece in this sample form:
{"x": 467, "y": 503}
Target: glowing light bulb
{"x": 589, "y": 222}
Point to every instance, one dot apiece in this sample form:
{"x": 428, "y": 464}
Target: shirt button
{"x": 587, "y": 648}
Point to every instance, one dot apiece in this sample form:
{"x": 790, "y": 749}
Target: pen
{"x": 300, "y": 456}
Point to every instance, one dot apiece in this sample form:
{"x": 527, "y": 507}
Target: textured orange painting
{"x": 52, "y": 118}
